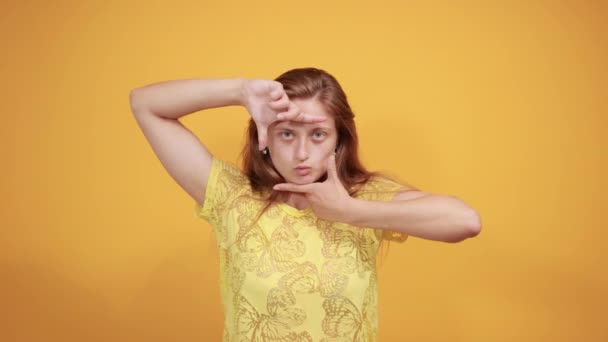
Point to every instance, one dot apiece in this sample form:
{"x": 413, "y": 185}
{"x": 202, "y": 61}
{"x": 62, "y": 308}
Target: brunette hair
{"x": 316, "y": 84}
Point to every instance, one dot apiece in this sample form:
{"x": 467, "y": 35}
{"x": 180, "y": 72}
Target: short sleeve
{"x": 224, "y": 184}
{"x": 384, "y": 189}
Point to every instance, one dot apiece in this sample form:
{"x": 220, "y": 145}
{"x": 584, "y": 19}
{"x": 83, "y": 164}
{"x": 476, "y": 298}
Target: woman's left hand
{"x": 329, "y": 199}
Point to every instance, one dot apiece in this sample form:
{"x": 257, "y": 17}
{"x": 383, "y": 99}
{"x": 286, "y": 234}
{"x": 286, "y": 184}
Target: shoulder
{"x": 227, "y": 173}
{"x": 226, "y": 166}
{"x": 226, "y": 181}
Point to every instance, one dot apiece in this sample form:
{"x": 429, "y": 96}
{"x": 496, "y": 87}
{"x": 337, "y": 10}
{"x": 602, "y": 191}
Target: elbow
{"x": 474, "y": 227}
{"x": 135, "y": 100}
{"x": 470, "y": 229}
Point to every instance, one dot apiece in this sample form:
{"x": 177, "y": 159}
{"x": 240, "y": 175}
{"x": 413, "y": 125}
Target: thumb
{"x": 262, "y": 138}
{"x": 332, "y": 173}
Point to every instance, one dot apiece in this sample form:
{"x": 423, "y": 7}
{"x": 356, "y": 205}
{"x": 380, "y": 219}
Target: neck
{"x": 297, "y": 200}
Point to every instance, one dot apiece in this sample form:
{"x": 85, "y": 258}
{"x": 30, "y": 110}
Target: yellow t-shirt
{"x": 292, "y": 276}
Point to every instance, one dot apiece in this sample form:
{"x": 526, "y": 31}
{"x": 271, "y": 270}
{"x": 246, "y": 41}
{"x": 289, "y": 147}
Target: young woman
{"x": 299, "y": 226}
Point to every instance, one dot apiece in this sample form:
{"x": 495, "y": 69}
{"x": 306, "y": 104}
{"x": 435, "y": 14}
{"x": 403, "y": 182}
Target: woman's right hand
{"x": 265, "y": 100}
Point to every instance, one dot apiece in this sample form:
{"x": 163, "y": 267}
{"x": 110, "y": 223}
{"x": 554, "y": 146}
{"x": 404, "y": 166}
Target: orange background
{"x": 501, "y": 104}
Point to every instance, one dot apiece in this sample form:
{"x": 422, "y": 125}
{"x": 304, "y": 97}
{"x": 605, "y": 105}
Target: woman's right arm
{"x": 157, "y": 108}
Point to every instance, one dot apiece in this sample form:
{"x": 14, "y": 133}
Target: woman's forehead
{"x": 310, "y": 106}
{"x": 327, "y": 124}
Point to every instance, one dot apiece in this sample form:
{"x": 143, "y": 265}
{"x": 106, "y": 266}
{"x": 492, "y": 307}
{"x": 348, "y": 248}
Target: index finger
{"x": 301, "y": 117}
{"x": 303, "y": 188}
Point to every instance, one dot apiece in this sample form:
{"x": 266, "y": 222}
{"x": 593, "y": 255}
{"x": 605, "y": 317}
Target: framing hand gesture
{"x": 267, "y": 102}
{"x": 329, "y": 199}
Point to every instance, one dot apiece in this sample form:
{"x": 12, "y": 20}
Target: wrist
{"x": 241, "y": 96}
{"x": 353, "y": 208}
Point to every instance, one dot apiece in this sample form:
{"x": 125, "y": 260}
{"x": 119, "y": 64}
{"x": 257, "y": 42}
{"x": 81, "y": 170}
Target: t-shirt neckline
{"x": 294, "y": 211}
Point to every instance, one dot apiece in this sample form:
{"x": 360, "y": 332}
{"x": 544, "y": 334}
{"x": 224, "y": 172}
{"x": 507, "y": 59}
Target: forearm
{"x": 433, "y": 217}
{"x": 176, "y": 98}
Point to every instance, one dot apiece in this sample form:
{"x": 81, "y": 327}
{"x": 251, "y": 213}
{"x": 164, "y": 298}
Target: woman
{"x": 299, "y": 226}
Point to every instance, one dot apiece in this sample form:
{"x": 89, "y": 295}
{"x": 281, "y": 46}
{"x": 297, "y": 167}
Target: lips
{"x": 302, "y": 170}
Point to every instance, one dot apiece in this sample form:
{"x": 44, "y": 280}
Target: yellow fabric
{"x": 292, "y": 276}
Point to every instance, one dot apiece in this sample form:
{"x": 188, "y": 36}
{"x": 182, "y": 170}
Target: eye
{"x": 283, "y": 134}
{"x": 319, "y": 135}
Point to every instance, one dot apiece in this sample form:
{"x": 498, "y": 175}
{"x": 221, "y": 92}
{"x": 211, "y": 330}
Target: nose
{"x": 302, "y": 149}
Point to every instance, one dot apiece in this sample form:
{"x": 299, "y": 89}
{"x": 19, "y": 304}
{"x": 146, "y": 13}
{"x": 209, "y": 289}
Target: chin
{"x": 301, "y": 180}
{"x": 296, "y": 179}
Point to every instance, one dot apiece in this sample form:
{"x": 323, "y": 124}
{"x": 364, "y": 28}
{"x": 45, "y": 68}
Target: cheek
{"x": 325, "y": 151}
{"x": 280, "y": 157}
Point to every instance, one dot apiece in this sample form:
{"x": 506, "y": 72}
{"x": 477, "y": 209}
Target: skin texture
{"x": 267, "y": 102}
{"x": 293, "y": 144}
{"x": 430, "y": 216}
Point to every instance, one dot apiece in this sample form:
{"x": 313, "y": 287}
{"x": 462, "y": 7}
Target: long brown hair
{"x": 316, "y": 84}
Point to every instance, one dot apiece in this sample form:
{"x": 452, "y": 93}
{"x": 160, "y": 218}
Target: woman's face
{"x": 294, "y": 144}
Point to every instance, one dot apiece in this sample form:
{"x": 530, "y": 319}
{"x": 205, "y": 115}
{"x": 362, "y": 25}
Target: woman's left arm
{"x": 424, "y": 215}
